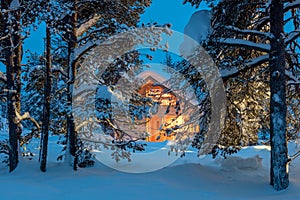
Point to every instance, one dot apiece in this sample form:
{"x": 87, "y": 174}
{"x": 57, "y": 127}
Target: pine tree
{"x": 13, "y": 19}
{"x": 270, "y": 47}
{"x": 12, "y": 54}
{"x": 83, "y": 25}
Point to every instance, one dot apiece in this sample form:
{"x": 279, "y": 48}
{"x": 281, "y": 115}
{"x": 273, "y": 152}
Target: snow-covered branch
{"x": 293, "y": 157}
{"x": 261, "y": 22}
{"x": 227, "y": 73}
{"x": 96, "y": 141}
{"x": 293, "y": 80}
{"x": 3, "y": 77}
{"x": 25, "y": 139}
{"x": 79, "y": 51}
{"x": 250, "y": 32}
{"x": 295, "y": 4}
{"x": 93, "y": 31}
{"x": 293, "y": 83}
{"x": 87, "y": 25}
{"x": 26, "y": 116}
{"x": 4, "y": 37}
{"x": 4, "y": 147}
{"x": 258, "y": 60}
{"x": 59, "y": 70}
{"x": 245, "y": 43}
{"x": 292, "y": 36}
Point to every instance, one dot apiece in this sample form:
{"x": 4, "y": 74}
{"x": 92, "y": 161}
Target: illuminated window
{"x": 165, "y": 102}
{"x": 191, "y": 128}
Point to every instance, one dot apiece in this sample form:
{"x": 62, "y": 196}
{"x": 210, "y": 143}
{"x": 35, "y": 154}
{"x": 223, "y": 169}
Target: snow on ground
{"x": 243, "y": 176}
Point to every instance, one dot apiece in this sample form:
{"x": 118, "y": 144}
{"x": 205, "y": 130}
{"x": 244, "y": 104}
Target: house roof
{"x": 150, "y": 75}
{"x": 153, "y": 79}
{"x": 158, "y": 80}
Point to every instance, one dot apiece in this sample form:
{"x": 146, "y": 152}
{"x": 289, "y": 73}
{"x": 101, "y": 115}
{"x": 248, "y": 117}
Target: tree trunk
{"x": 46, "y": 109}
{"x": 72, "y": 64}
{"x": 13, "y": 57}
{"x": 279, "y": 165}
{"x": 11, "y": 101}
{"x": 18, "y": 54}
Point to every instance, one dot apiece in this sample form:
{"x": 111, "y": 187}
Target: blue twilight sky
{"x": 161, "y": 11}
{"x": 170, "y": 11}
{"x": 178, "y": 15}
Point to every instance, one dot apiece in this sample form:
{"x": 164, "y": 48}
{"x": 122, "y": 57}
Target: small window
{"x": 165, "y": 102}
{"x": 191, "y": 128}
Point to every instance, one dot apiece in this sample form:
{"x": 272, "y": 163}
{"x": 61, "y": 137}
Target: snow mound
{"x": 239, "y": 163}
{"x": 196, "y": 30}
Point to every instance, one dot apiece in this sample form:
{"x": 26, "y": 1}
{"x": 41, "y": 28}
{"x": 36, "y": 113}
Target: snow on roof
{"x": 144, "y": 75}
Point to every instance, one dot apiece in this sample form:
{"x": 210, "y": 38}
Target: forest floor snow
{"x": 244, "y": 175}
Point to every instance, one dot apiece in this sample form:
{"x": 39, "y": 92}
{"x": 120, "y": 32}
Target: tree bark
{"x": 72, "y": 65}
{"x": 12, "y": 126}
{"x": 13, "y": 56}
{"x": 18, "y": 54}
{"x": 46, "y": 109}
{"x": 279, "y": 158}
